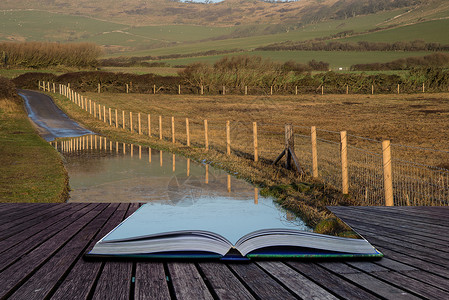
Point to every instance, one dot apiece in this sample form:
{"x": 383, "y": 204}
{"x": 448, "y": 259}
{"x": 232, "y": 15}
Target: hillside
{"x": 231, "y": 12}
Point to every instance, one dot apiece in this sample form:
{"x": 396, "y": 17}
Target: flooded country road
{"x": 50, "y": 121}
{"x": 102, "y": 170}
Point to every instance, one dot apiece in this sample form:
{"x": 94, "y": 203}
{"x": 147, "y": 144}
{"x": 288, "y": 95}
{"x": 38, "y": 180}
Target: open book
{"x": 225, "y": 229}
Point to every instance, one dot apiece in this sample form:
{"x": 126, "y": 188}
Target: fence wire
{"x": 414, "y": 183}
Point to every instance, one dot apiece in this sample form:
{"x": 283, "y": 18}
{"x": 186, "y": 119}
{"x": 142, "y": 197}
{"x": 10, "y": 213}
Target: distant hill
{"x": 232, "y": 12}
{"x": 170, "y": 28}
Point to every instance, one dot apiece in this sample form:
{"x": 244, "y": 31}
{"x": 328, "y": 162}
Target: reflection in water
{"x": 105, "y": 174}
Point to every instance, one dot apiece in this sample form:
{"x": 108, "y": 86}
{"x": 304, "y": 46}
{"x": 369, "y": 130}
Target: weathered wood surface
{"x": 42, "y": 247}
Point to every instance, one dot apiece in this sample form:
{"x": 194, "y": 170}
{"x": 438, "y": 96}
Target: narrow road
{"x": 50, "y": 121}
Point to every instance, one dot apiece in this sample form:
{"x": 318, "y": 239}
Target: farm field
{"x": 411, "y": 120}
{"x": 336, "y": 59}
{"x": 430, "y": 31}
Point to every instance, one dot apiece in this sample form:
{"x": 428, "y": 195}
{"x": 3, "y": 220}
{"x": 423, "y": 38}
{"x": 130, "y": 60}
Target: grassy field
{"x": 31, "y": 170}
{"x": 336, "y": 59}
{"x": 412, "y": 120}
{"x": 431, "y": 31}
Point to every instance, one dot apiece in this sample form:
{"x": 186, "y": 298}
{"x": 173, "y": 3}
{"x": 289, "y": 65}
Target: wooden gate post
{"x": 388, "y": 178}
{"x": 344, "y": 162}
{"x": 138, "y": 120}
{"x": 289, "y": 143}
{"x": 149, "y": 125}
{"x": 206, "y": 137}
{"x": 160, "y": 127}
{"x": 228, "y": 138}
{"x": 173, "y": 129}
{"x": 289, "y": 150}
{"x": 314, "y": 153}
{"x": 187, "y": 132}
{"x": 256, "y": 150}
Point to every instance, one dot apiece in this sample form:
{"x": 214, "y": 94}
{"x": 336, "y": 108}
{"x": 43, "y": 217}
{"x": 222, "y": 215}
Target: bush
{"x": 42, "y": 54}
{"x": 7, "y": 88}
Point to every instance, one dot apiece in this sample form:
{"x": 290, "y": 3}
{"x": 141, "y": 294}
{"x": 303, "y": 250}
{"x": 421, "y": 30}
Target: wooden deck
{"x": 42, "y": 247}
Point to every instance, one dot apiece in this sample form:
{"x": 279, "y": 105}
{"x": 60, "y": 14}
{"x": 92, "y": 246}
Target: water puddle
{"x": 101, "y": 170}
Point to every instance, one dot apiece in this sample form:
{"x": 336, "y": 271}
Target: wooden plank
{"x": 115, "y": 278}
{"x": 151, "y": 281}
{"x": 260, "y": 283}
{"x": 223, "y": 282}
{"x": 24, "y": 212}
{"x": 187, "y": 281}
{"x": 17, "y": 273}
{"x": 115, "y": 281}
{"x": 81, "y": 279}
{"x": 27, "y": 241}
{"x": 21, "y": 223}
{"x": 32, "y": 230}
{"x": 340, "y": 287}
{"x": 43, "y": 281}
{"x": 296, "y": 282}
{"x": 393, "y": 226}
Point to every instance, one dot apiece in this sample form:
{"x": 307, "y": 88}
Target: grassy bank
{"x": 31, "y": 170}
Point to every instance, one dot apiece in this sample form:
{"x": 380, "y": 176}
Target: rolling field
{"x": 336, "y": 59}
{"x": 431, "y": 31}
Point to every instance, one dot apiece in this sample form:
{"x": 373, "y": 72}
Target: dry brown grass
{"x": 419, "y": 120}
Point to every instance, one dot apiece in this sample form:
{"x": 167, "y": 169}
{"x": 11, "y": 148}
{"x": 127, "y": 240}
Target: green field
{"x": 336, "y": 59}
{"x": 432, "y": 31}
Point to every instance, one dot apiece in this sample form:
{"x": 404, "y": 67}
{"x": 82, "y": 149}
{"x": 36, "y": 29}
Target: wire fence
{"x": 371, "y": 174}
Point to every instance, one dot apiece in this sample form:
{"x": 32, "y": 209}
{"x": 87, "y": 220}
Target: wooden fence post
{"x": 160, "y": 127}
{"x": 187, "y": 132}
{"x": 256, "y": 150}
{"x": 154, "y": 89}
{"x": 322, "y": 90}
{"x": 149, "y": 125}
{"x": 99, "y": 112}
{"x": 127, "y": 88}
{"x": 246, "y": 90}
{"x": 206, "y": 137}
{"x": 173, "y": 129}
{"x": 131, "y": 121}
{"x": 388, "y": 178}
{"x": 123, "y": 118}
{"x": 347, "y": 89}
{"x": 99, "y": 88}
{"x": 398, "y": 88}
{"x": 48, "y": 86}
{"x": 372, "y": 89}
{"x": 289, "y": 144}
{"x": 95, "y": 110}
{"x": 296, "y": 90}
{"x": 228, "y": 138}
{"x": 179, "y": 89}
{"x": 423, "y": 87}
{"x": 138, "y": 120}
{"x": 54, "y": 88}
{"x": 90, "y": 106}
{"x": 314, "y": 153}
{"x": 344, "y": 162}
{"x": 116, "y": 118}
{"x": 224, "y": 90}
{"x": 271, "y": 90}
{"x": 104, "y": 113}
{"x": 110, "y": 117}
{"x": 202, "y": 90}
